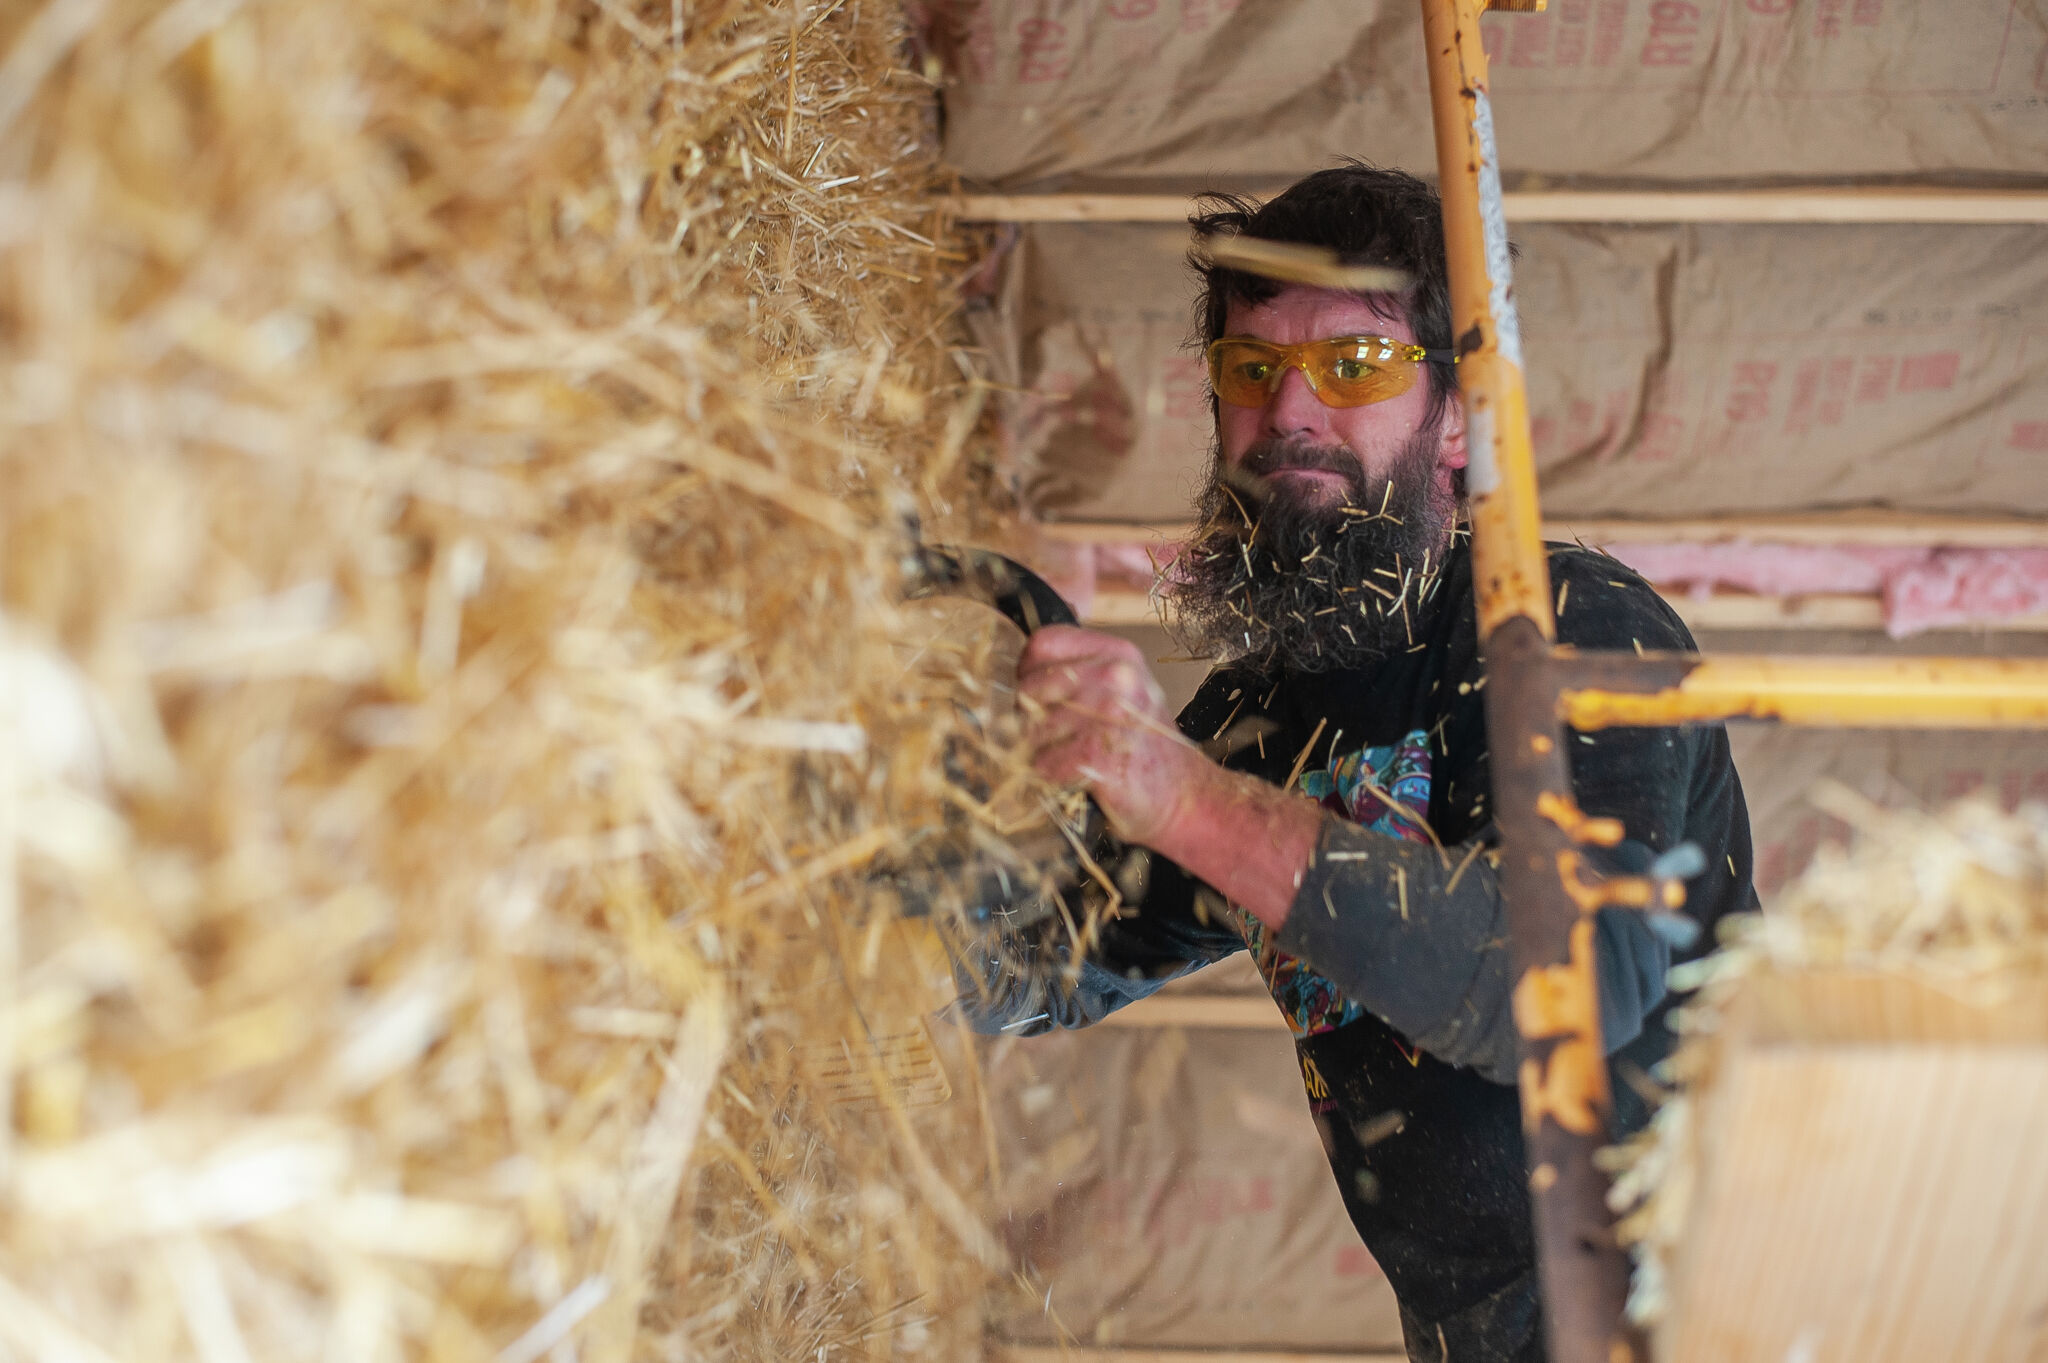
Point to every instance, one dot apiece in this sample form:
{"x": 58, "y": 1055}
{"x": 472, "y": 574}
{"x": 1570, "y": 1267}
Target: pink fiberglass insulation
{"x": 1079, "y": 571}
{"x": 1966, "y": 586}
{"x": 1922, "y": 588}
{"x": 1767, "y": 569}
{"x": 1070, "y": 570}
{"x": 1131, "y": 565}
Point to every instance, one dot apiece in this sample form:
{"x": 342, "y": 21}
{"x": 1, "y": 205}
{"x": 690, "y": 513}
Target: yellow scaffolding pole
{"x": 1536, "y": 688}
{"x": 1562, "y": 1070}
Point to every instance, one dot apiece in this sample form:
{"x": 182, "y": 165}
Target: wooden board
{"x": 1755, "y": 205}
{"x": 1862, "y": 529}
{"x": 1720, "y": 611}
{"x": 1168, "y": 1008}
{"x": 1872, "y": 1181}
{"x": 1043, "y": 1353}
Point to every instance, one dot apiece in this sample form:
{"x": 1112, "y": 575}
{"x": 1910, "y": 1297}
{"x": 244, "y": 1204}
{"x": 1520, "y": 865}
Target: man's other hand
{"x": 1098, "y": 719}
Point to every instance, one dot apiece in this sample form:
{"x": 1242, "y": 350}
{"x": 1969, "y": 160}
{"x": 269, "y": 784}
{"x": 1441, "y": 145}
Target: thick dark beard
{"x": 1280, "y": 577}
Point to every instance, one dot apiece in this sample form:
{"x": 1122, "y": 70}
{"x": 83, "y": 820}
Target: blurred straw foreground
{"x": 453, "y": 474}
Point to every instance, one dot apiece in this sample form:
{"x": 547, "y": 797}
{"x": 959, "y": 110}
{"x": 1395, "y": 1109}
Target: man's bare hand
{"x": 1102, "y": 723}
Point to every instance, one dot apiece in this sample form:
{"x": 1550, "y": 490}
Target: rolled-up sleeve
{"x": 1022, "y": 988}
{"x": 1419, "y": 938}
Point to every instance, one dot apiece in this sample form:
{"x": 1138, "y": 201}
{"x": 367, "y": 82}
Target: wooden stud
{"x": 1721, "y": 611}
{"x": 1859, "y": 529}
{"x": 1035, "y": 1353}
{"x": 1620, "y": 206}
{"x": 1237, "y": 1012}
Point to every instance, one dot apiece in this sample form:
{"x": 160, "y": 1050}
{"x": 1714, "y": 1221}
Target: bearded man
{"x": 1347, "y": 826}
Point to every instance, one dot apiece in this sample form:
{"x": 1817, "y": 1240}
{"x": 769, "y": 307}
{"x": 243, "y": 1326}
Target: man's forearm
{"x": 1396, "y": 925}
{"x": 1412, "y": 933}
{"x": 1246, "y": 838}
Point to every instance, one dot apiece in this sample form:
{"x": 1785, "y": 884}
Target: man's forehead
{"x": 1301, "y": 313}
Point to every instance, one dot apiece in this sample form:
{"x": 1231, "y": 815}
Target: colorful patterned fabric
{"x": 1385, "y": 789}
{"x": 1367, "y": 784}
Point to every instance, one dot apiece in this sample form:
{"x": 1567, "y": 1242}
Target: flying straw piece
{"x": 1293, "y": 263}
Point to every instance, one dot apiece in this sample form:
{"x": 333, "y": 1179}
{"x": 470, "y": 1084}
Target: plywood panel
{"x": 1877, "y": 1194}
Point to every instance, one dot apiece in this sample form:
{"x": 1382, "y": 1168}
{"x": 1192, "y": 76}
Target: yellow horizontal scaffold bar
{"x": 1848, "y": 693}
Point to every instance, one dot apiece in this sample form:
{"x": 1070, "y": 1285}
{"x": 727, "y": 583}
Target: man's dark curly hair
{"x": 1370, "y": 215}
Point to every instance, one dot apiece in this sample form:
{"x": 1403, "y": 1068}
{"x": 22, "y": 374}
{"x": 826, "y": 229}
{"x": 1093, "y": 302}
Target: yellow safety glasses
{"x": 1344, "y": 371}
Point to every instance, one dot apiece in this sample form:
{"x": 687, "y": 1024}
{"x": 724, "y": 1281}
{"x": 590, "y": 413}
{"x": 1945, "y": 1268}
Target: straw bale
{"x": 456, "y": 465}
{"x": 1951, "y": 904}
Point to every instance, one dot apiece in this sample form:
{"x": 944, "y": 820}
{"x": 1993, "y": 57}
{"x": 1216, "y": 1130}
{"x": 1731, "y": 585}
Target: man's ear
{"x": 1452, "y": 452}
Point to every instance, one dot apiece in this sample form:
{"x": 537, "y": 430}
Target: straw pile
{"x": 1955, "y": 901}
{"x": 455, "y": 463}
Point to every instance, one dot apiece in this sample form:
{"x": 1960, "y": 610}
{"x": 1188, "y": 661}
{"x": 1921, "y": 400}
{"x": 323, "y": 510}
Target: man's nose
{"x": 1294, "y": 409}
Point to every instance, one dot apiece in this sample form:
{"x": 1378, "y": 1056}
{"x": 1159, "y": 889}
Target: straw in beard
{"x": 1313, "y": 575}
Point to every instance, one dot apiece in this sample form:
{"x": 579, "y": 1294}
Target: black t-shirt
{"x": 1391, "y": 967}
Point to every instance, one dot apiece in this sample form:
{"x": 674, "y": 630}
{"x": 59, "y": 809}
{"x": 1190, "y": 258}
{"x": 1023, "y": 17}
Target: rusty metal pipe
{"x": 1536, "y": 688}
{"x": 1509, "y": 567}
{"x": 1563, "y": 1071}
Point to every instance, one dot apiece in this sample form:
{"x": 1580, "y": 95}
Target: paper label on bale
{"x": 1675, "y": 89}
